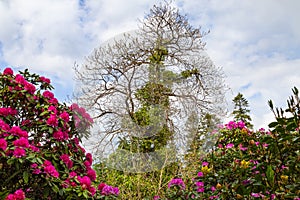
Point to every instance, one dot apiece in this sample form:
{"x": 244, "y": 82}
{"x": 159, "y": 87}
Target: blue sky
{"x": 256, "y": 42}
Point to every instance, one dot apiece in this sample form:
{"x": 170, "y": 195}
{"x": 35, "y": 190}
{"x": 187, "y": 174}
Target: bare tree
{"x": 165, "y": 50}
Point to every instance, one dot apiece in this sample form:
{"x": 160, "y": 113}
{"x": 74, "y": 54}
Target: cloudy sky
{"x": 256, "y": 42}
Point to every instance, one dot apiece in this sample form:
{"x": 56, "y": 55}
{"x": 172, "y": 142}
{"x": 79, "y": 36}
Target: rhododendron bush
{"x": 40, "y": 152}
{"x": 246, "y": 164}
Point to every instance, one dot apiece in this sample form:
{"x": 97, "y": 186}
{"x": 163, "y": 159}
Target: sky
{"x": 256, "y": 42}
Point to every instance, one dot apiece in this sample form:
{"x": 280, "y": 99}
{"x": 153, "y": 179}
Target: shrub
{"x": 247, "y": 164}
{"x": 40, "y": 152}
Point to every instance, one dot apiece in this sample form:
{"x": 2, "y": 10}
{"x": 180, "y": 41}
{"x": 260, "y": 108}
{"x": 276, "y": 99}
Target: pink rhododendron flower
{"x": 29, "y": 87}
{"x": 65, "y": 116}
{"x": 52, "y": 109}
{"x": 58, "y": 135}
{"x": 22, "y": 142}
{"x": 34, "y": 148}
{"x": 3, "y": 144}
{"x": 89, "y": 157}
{"x": 19, "y": 152}
{"x": 242, "y": 148}
{"x": 200, "y": 186}
{"x": 231, "y": 125}
{"x": 4, "y": 126}
{"x": 91, "y": 174}
{"x": 200, "y": 174}
{"x": 8, "y": 111}
{"x": 108, "y": 190}
{"x": 20, "y": 79}
{"x": 52, "y": 121}
{"x": 92, "y": 190}
{"x": 240, "y": 124}
{"x": 53, "y": 101}
{"x": 45, "y": 80}
{"x": 16, "y": 130}
{"x": 177, "y": 182}
{"x": 230, "y": 145}
{"x": 50, "y": 169}
{"x": 48, "y": 95}
{"x": 87, "y": 164}
{"x": 85, "y": 182}
{"x": 72, "y": 174}
{"x": 101, "y": 186}
{"x": 213, "y": 188}
{"x": 8, "y": 71}
{"x": 66, "y": 159}
{"x": 18, "y": 195}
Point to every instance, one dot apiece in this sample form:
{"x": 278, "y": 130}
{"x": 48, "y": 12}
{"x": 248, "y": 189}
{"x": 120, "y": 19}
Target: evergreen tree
{"x": 241, "y": 110}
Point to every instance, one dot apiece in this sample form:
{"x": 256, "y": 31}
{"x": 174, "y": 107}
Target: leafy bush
{"x": 40, "y": 152}
{"x": 247, "y": 164}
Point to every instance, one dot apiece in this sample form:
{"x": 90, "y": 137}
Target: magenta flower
{"x": 52, "y": 120}
{"x": 89, "y": 158}
{"x": 8, "y": 111}
{"x": 65, "y": 116}
{"x": 177, "y": 182}
{"x": 58, "y": 135}
{"x": 213, "y": 188}
{"x": 200, "y": 186}
{"x": 52, "y": 109}
{"x": 109, "y": 190}
{"x": 156, "y": 197}
{"x": 18, "y": 195}
{"x": 231, "y": 125}
{"x": 91, "y": 174}
{"x": 85, "y": 182}
{"x": 4, "y": 126}
{"x": 255, "y": 194}
{"x": 29, "y": 87}
{"x": 205, "y": 163}
{"x": 101, "y": 186}
{"x": 230, "y": 145}
{"x": 19, "y": 152}
{"x": 66, "y": 159}
{"x": 72, "y": 174}
{"x": 200, "y": 174}
{"x": 48, "y": 95}
{"x": 3, "y": 144}
{"x": 50, "y": 169}
{"x": 45, "y": 80}
{"x": 242, "y": 148}
{"x": 240, "y": 124}
{"x": 20, "y": 79}
{"x": 8, "y": 71}
{"x": 22, "y": 142}
{"x": 16, "y": 130}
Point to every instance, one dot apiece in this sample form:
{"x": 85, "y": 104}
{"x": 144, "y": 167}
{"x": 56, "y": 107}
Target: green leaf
{"x": 273, "y": 124}
{"x": 25, "y": 176}
{"x": 270, "y": 174}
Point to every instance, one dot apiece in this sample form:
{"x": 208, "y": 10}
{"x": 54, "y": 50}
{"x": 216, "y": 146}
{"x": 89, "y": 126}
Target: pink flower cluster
{"x": 50, "y": 169}
{"x": 177, "y": 182}
{"x": 8, "y": 111}
{"x": 18, "y": 195}
{"x": 82, "y": 118}
{"x": 233, "y": 125}
{"x": 107, "y": 190}
{"x": 66, "y": 159}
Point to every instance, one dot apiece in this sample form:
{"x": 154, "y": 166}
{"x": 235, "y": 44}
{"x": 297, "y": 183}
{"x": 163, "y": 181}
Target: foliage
{"x": 40, "y": 152}
{"x": 241, "y": 111}
{"x": 138, "y": 186}
{"x": 250, "y": 165}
